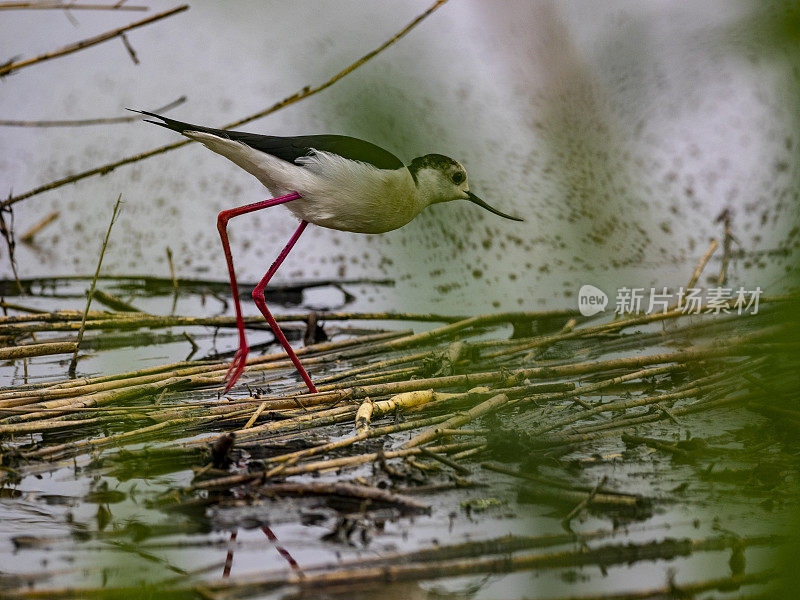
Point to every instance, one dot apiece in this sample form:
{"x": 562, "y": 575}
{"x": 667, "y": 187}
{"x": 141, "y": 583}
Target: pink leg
{"x": 226, "y": 570}
{"x": 261, "y": 303}
{"x": 281, "y": 550}
{"x": 239, "y": 360}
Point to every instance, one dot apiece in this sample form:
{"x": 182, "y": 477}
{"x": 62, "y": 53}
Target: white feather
{"x": 336, "y": 192}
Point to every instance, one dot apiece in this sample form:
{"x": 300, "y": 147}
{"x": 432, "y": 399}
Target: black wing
{"x": 292, "y": 148}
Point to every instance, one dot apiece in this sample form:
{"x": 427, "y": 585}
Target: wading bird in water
{"x": 332, "y": 181}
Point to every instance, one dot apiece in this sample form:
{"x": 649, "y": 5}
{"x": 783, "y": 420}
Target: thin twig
{"x": 725, "y": 218}
{"x": 174, "y": 281}
{"x": 27, "y": 237}
{"x": 702, "y": 264}
{"x": 103, "y": 37}
{"x": 446, "y": 461}
{"x": 84, "y": 122}
{"x": 131, "y": 52}
{"x": 68, "y": 5}
{"x": 74, "y": 360}
{"x": 586, "y": 501}
{"x": 255, "y": 416}
{"x": 28, "y": 309}
{"x": 305, "y": 92}
{"x": 194, "y": 345}
{"x": 115, "y": 303}
{"x": 7, "y": 231}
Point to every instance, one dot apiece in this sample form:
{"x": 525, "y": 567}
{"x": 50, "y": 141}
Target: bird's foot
{"x": 237, "y": 367}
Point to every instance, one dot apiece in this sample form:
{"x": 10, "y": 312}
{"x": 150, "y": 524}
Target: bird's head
{"x": 441, "y": 179}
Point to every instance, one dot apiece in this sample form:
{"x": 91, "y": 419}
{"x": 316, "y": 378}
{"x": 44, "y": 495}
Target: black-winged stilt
{"x": 332, "y": 181}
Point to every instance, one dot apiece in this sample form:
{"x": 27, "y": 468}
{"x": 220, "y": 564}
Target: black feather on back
{"x": 292, "y": 148}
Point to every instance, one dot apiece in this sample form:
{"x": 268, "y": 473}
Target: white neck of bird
{"x": 431, "y": 187}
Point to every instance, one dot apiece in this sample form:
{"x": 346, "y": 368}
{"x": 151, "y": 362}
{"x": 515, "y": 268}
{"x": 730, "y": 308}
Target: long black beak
{"x": 475, "y": 200}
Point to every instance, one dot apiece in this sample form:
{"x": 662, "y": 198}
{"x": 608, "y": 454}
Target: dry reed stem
{"x": 115, "y": 303}
{"x": 14, "y": 306}
{"x": 404, "y": 401}
{"x": 31, "y": 350}
{"x": 491, "y": 405}
{"x": 43, "y": 315}
{"x": 702, "y": 264}
{"x": 255, "y": 416}
{"x": 586, "y": 389}
{"x": 461, "y": 470}
{"x": 114, "y": 215}
{"x": 129, "y": 321}
{"x": 41, "y": 426}
{"x": 372, "y": 367}
{"x": 330, "y": 416}
{"x": 542, "y": 493}
{"x": 253, "y": 584}
{"x": 103, "y": 37}
{"x": 371, "y": 379}
{"x": 27, "y": 237}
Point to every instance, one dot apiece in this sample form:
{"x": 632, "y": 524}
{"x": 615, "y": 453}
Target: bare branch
{"x": 127, "y": 43}
{"x": 296, "y": 97}
{"x": 7, "y": 231}
{"x": 103, "y": 37}
{"x": 83, "y": 122}
{"x": 67, "y": 5}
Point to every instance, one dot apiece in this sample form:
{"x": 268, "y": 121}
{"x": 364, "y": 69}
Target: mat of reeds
{"x": 431, "y": 417}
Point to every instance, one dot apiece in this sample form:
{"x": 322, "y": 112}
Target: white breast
{"x": 336, "y": 192}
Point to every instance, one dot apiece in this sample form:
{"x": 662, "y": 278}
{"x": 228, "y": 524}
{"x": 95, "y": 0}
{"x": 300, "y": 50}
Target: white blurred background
{"x": 619, "y": 130}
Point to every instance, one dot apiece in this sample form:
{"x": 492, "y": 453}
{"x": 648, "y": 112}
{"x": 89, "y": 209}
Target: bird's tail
{"x": 178, "y": 126}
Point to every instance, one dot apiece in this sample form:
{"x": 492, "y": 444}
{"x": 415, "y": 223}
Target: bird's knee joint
{"x": 222, "y": 222}
{"x": 258, "y": 294}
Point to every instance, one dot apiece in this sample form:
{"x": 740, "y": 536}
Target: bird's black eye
{"x": 458, "y": 177}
